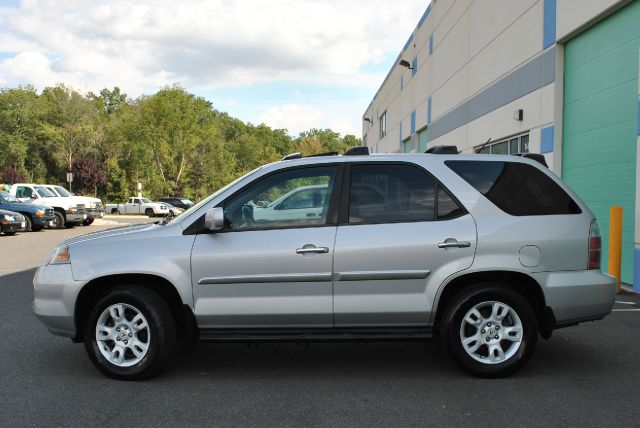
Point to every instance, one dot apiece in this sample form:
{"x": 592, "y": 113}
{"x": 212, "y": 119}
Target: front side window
{"x": 516, "y": 188}
{"x": 392, "y": 193}
{"x": 293, "y": 198}
{"x": 24, "y": 192}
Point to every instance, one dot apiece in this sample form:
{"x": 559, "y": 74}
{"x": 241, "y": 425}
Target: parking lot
{"x": 584, "y": 375}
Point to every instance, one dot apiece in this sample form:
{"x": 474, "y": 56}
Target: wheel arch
{"x": 518, "y": 281}
{"x": 99, "y": 287}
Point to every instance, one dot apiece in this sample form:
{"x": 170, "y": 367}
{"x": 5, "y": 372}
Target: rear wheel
{"x": 130, "y": 333}
{"x": 114, "y": 211}
{"x": 28, "y": 223}
{"x": 58, "y": 221}
{"x": 490, "y": 330}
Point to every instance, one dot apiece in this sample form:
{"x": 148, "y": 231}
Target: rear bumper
{"x": 576, "y": 296}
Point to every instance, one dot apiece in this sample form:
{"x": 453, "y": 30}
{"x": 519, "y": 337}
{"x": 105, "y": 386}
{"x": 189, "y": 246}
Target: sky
{"x": 294, "y": 64}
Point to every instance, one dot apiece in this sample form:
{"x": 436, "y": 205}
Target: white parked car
{"x": 137, "y": 205}
{"x": 298, "y": 204}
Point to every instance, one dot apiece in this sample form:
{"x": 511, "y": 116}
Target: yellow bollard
{"x": 615, "y": 243}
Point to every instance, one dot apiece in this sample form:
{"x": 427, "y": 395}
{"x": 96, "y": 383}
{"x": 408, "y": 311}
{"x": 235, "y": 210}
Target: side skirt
{"x": 317, "y": 335}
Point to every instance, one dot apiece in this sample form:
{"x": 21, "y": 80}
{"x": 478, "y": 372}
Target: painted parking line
{"x": 626, "y": 310}
{"x": 625, "y": 303}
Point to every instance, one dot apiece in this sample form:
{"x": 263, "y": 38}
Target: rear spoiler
{"x": 453, "y": 150}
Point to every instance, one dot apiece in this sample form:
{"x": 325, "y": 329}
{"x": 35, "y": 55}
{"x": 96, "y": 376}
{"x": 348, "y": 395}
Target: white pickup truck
{"x": 141, "y": 206}
{"x": 68, "y": 212}
{"x": 93, "y": 206}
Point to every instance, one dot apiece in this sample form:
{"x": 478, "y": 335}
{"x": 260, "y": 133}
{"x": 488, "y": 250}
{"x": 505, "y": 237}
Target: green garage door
{"x": 600, "y": 122}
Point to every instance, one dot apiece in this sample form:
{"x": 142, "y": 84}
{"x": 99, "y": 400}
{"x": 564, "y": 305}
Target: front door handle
{"x": 312, "y": 249}
{"x": 454, "y": 244}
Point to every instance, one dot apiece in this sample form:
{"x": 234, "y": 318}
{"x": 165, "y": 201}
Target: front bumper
{"x": 95, "y": 213}
{"x": 55, "y": 292}
{"x": 13, "y": 227}
{"x": 42, "y": 221}
{"x": 576, "y": 296}
{"x": 75, "y": 217}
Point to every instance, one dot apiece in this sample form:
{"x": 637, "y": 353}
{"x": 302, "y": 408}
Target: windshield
{"x": 7, "y": 198}
{"x": 186, "y": 201}
{"x": 44, "y": 192}
{"x": 145, "y": 200}
{"x": 62, "y": 191}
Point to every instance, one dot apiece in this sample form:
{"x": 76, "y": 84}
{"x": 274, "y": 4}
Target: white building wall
{"x": 478, "y": 48}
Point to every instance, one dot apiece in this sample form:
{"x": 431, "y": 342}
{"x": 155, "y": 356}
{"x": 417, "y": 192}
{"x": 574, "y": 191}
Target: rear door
{"x": 400, "y": 235}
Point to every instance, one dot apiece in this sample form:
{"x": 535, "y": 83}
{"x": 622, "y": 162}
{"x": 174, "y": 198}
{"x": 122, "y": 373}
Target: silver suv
{"x": 485, "y": 252}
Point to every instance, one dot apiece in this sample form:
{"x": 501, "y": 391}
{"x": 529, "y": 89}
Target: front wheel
{"x": 130, "y": 333}
{"x": 87, "y": 222}
{"x": 58, "y": 221}
{"x": 490, "y": 330}
{"x": 149, "y": 212}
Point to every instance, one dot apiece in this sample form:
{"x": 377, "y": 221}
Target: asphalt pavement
{"x": 583, "y": 376}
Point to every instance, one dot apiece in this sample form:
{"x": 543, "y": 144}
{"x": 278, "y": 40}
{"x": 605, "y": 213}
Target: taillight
{"x": 595, "y": 243}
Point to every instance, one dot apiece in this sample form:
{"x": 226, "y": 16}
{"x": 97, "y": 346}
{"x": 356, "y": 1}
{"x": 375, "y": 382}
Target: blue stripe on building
{"x": 431, "y": 44}
{"x": 413, "y": 122}
{"x": 546, "y": 140}
{"x": 549, "y": 25}
{"x": 429, "y": 110}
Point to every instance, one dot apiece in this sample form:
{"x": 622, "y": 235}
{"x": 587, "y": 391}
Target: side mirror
{"x": 214, "y": 219}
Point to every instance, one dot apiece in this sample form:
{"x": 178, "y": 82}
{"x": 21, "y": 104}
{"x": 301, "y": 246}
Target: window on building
{"x": 407, "y": 145}
{"x": 508, "y": 146}
{"x": 383, "y": 125}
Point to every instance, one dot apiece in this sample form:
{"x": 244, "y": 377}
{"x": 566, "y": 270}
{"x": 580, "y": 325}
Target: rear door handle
{"x": 455, "y": 244}
{"x": 312, "y": 249}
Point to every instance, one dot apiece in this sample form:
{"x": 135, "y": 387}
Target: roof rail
{"x": 357, "y": 151}
{"x": 534, "y": 156}
{"x": 296, "y": 155}
{"x": 443, "y": 150}
{"x": 323, "y": 154}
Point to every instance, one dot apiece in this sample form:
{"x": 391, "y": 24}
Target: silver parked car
{"x": 485, "y": 252}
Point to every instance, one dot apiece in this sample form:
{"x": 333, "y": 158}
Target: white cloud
{"x": 293, "y": 117}
{"x": 203, "y": 44}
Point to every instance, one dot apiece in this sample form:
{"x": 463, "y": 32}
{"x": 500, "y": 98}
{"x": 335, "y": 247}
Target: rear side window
{"x": 516, "y": 188}
{"x": 392, "y": 193}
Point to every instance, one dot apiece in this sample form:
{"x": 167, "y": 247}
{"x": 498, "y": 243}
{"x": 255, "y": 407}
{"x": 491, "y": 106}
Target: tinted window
{"x": 516, "y": 188}
{"x": 391, "y": 193}
{"x": 447, "y": 207}
{"x": 266, "y": 204}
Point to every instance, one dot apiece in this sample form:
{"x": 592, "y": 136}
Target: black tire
{"x": 452, "y": 323}
{"x": 162, "y": 332}
{"x": 36, "y": 228}
{"x": 9, "y": 233}
{"x": 149, "y": 212}
{"x": 58, "y": 222}
{"x": 87, "y": 222}
{"x": 114, "y": 211}
{"x": 29, "y": 224}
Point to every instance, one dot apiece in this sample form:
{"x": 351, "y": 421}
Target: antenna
{"x": 482, "y": 147}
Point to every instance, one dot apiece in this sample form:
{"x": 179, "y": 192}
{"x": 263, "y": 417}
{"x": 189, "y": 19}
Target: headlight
{"x": 40, "y": 213}
{"x": 60, "y": 255}
{"x": 6, "y": 219}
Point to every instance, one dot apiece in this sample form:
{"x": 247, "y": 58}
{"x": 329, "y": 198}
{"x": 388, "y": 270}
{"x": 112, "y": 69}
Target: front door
{"x": 268, "y": 271}
{"x": 404, "y": 234}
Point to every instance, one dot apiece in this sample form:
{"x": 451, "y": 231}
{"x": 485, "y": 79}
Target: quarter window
{"x": 516, "y": 188}
{"x": 293, "y": 198}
